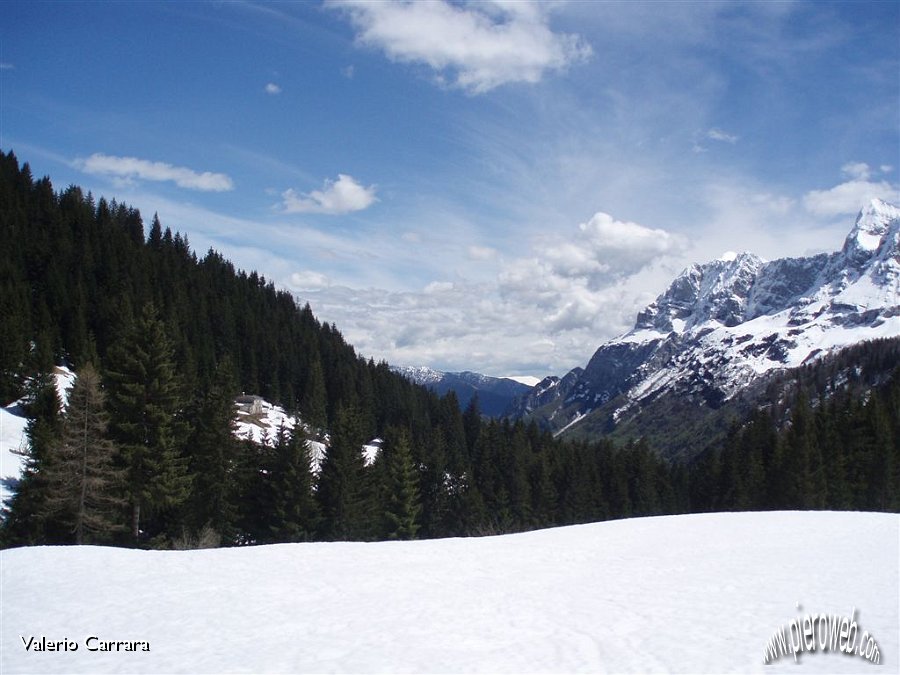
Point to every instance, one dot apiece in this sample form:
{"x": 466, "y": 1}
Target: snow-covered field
{"x": 700, "y": 593}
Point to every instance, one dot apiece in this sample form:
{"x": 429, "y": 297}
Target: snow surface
{"x": 265, "y": 425}
{"x": 12, "y": 443}
{"x": 420, "y": 374}
{"x": 700, "y": 593}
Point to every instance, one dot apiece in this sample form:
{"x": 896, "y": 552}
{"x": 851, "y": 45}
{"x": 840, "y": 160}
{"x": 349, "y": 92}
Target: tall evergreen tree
{"x": 294, "y": 512}
{"x": 84, "y": 487}
{"x": 23, "y": 521}
{"x": 403, "y": 498}
{"x": 341, "y": 490}
{"x": 145, "y": 406}
{"x": 213, "y": 450}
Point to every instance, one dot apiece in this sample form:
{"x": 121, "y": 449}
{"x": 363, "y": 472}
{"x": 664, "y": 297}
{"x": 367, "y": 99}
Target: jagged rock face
{"x": 722, "y": 324}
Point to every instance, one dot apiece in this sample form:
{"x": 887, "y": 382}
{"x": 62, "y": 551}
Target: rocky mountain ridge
{"x": 723, "y": 324}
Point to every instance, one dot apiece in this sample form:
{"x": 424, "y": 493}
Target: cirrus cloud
{"x": 338, "y": 197}
{"x": 481, "y": 45}
{"x": 130, "y": 168}
{"x": 715, "y": 134}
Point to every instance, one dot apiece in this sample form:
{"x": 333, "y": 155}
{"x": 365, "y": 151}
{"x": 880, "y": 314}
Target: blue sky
{"x": 493, "y": 186}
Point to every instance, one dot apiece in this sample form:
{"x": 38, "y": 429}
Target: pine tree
{"x": 84, "y": 486}
{"x": 294, "y": 513}
{"x": 403, "y": 499}
{"x": 882, "y": 490}
{"x": 341, "y": 490}
{"x": 803, "y": 459}
{"x": 213, "y": 451}
{"x": 145, "y": 405}
{"x": 23, "y": 520}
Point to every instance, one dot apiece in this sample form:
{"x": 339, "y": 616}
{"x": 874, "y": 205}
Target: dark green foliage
{"x": 314, "y": 403}
{"x": 84, "y": 488}
{"x": 213, "y": 454}
{"x": 402, "y": 489}
{"x": 342, "y": 490}
{"x": 145, "y": 404}
{"x": 293, "y": 515}
{"x": 24, "y": 520}
{"x": 841, "y": 455}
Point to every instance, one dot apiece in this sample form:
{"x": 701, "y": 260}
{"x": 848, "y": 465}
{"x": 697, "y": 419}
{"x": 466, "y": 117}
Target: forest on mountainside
{"x": 163, "y": 340}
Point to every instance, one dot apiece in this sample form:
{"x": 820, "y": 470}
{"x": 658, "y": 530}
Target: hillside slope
{"x": 701, "y": 593}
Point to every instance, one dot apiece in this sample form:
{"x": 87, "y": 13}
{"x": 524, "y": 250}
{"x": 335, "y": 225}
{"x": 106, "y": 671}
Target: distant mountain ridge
{"x": 495, "y": 394}
{"x": 721, "y": 325}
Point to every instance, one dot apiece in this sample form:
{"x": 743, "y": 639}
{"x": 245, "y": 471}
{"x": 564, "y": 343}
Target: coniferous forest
{"x": 163, "y": 340}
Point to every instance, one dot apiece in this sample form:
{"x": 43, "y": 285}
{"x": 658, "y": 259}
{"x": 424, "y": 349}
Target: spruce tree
{"x": 23, "y": 520}
{"x": 213, "y": 451}
{"x": 341, "y": 490}
{"x": 403, "y": 499}
{"x": 145, "y": 406}
{"x": 84, "y": 486}
{"x": 294, "y": 513}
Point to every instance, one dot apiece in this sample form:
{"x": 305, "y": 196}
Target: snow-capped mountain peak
{"x": 872, "y": 224}
{"x": 718, "y": 290}
{"x": 721, "y": 324}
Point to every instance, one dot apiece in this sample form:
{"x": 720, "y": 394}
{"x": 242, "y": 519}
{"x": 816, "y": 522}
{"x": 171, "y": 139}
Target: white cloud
{"x": 542, "y": 313}
{"x": 722, "y": 136}
{"x": 482, "y": 253}
{"x": 7, "y": 66}
{"x": 849, "y": 197}
{"x": 273, "y": 89}
{"x": 481, "y": 46}
{"x": 857, "y": 170}
{"x": 344, "y": 195}
{"x": 605, "y": 249}
{"x": 308, "y": 280}
{"x": 439, "y": 287}
{"x": 129, "y": 168}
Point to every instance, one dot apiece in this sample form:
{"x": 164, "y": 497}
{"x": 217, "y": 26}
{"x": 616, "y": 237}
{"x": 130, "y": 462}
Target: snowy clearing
{"x": 699, "y": 593}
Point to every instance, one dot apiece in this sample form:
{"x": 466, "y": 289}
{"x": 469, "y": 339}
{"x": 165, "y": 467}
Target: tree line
{"x": 162, "y": 341}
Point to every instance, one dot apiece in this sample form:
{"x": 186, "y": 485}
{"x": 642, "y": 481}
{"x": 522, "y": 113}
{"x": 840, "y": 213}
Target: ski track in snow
{"x": 699, "y": 593}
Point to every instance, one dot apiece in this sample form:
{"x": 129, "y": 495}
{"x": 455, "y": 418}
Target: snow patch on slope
{"x": 263, "y": 427}
{"x": 14, "y": 441}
